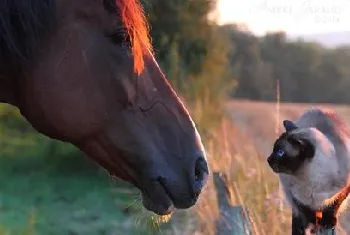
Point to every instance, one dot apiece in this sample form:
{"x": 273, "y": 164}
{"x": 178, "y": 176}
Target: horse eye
{"x": 280, "y": 153}
{"x": 119, "y": 38}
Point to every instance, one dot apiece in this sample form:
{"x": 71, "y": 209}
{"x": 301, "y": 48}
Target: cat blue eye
{"x": 280, "y": 153}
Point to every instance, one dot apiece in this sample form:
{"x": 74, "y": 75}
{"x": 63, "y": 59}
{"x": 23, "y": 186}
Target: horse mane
{"x": 135, "y": 22}
{"x": 23, "y": 23}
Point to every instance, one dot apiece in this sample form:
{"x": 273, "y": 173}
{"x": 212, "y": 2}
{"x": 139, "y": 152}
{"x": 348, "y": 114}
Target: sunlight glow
{"x": 292, "y": 16}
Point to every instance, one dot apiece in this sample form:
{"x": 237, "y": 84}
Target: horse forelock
{"x": 135, "y": 22}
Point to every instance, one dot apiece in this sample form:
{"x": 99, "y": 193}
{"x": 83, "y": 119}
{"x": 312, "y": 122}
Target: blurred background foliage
{"x": 49, "y": 187}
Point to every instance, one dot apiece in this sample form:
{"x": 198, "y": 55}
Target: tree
{"x": 307, "y": 71}
{"x": 192, "y": 52}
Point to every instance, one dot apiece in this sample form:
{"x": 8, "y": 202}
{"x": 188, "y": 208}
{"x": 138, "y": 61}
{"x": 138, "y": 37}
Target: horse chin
{"x": 157, "y": 200}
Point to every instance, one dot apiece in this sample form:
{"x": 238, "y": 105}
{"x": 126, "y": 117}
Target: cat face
{"x": 291, "y": 150}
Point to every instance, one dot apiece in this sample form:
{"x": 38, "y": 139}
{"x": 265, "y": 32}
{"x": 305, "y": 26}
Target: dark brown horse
{"x": 83, "y": 72}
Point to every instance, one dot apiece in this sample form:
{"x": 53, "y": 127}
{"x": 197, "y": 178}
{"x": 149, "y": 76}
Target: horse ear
{"x": 289, "y": 125}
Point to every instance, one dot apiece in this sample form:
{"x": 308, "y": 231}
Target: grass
{"x": 48, "y": 187}
{"x": 239, "y": 147}
{"x": 66, "y": 195}
{"x": 232, "y": 151}
{"x": 52, "y": 189}
{"x": 250, "y": 182}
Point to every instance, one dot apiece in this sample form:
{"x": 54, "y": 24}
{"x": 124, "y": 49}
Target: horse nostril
{"x": 200, "y": 176}
{"x": 201, "y": 170}
{"x": 196, "y": 194}
{"x": 197, "y": 175}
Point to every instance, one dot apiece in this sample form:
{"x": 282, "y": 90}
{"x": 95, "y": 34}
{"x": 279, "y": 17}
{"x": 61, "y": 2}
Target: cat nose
{"x": 269, "y": 160}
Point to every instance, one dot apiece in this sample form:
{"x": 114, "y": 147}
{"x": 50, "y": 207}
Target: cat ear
{"x": 289, "y": 125}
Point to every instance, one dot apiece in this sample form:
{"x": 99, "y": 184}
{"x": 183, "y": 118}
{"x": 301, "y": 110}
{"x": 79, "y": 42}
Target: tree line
{"x": 307, "y": 71}
{"x": 202, "y": 58}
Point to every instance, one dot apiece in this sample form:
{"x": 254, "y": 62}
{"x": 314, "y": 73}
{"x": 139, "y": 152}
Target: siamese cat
{"x": 312, "y": 159}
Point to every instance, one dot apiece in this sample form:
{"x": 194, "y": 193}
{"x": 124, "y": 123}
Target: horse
{"x": 85, "y": 73}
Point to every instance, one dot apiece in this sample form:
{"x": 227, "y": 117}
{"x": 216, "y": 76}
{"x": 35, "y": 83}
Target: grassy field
{"x": 239, "y": 148}
{"x": 257, "y": 120}
{"x": 66, "y": 195}
{"x": 70, "y": 195}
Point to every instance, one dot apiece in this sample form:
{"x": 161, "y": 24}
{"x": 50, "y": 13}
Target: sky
{"x": 295, "y": 17}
